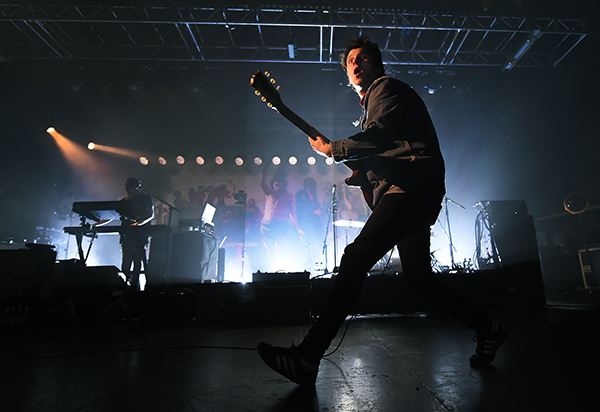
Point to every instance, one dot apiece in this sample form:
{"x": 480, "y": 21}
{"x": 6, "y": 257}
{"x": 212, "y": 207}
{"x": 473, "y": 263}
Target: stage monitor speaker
{"x": 79, "y": 281}
{"x": 282, "y": 279}
{"x": 281, "y": 295}
{"x": 193, "y": 258}
{"x": 24, "y": 271}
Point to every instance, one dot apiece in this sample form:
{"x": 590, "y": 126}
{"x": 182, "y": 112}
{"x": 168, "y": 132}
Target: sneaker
{"x": 487, "y": 345}
{"x": 288, "y": 362}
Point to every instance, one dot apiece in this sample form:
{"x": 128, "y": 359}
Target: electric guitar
{"x": 270, "y": 95}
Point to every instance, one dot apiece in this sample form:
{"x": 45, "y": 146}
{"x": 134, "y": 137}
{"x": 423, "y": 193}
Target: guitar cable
{"x": 358, "y": 305}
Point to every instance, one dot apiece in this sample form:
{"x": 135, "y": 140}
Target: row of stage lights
{"x": 239, "y": 161}
{"x": 218, "y": 160}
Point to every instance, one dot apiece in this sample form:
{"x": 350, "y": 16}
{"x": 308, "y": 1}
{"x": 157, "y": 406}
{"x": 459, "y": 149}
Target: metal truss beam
{"x": 246, "y": 34}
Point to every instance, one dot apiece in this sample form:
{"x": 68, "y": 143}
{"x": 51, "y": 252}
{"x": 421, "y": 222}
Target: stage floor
{"x": 410, "y": 362}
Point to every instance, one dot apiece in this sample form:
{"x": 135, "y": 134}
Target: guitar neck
{"x": 299, "y": 122}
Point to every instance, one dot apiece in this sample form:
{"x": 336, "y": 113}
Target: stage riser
{"x": 79, "y": 291}
{"x": 514, "y": 288}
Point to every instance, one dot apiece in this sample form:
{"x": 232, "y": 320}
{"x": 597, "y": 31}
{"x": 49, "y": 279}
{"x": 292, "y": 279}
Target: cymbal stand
{"x": 324, "y": 251}
{"x": 240, "y": 198}
{"x": 334, "y": 209}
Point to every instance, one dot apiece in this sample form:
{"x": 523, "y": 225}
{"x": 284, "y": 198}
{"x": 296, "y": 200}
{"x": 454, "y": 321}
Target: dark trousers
{"x": 133, "y": 248}
{"x": 401, "y": 220}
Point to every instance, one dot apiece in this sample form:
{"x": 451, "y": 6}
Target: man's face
{"x": 360, "y": 70}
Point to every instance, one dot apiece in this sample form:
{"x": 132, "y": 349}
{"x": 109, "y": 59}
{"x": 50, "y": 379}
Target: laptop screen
{"x": 208, "y": 214}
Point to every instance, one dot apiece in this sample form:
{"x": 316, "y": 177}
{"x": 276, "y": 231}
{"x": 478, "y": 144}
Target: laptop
{"x": 208, "y": 214}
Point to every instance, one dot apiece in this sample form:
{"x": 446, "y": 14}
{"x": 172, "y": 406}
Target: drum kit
{"x": 347, "y": 225}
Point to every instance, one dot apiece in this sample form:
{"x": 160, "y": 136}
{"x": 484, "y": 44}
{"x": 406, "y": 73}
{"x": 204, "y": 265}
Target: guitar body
{"x": 264, "y": 86}
{"x": 359, "y": 179}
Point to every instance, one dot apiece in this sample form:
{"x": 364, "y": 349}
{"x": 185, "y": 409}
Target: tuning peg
{"x": 272, "y": 81}
{"x": 256, "y": 92}
{"x": 269, "y": 104}
{"x": 264, "y": 99}
{"x": 267, "y": 74}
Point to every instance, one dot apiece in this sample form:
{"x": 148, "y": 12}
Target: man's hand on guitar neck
{"x": 320, "y": 145}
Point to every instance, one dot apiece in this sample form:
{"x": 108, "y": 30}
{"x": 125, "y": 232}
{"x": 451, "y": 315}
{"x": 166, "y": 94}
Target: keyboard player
{"x": 133, "y": 242}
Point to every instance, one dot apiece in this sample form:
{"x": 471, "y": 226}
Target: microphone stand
{"x": 334, "y": 208}
{"x": 324, "y": 251}
{"x": 449, "y": 234}
{"x": 170, "y": 206}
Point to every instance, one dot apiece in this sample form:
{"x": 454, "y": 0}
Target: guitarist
{"x": 398, "y": 152}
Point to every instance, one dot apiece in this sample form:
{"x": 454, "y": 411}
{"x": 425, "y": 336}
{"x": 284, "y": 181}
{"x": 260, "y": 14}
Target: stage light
{"x": 257, "y": 161}
{"x": 329, "y": 161}
{"x": 311, "y": 160}
{"x": 91, "y": 146}
{"x": 162, "y": 160}
{"x": 144, "y": 160}
{"x": 200, "y": 160}
{"x": 180, "y": 160}
{"x": 239, "y": 161}
{"x": 219, "y": 160}
{"x": 78, "y": 157}
{"x": 276, "y": 160}
{"x": 292, "y": 160}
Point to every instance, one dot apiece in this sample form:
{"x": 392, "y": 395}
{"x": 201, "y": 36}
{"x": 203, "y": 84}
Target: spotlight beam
{"x": 134, "y": 154}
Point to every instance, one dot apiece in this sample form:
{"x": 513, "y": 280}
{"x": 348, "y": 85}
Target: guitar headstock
{"x": 265, "y": 85}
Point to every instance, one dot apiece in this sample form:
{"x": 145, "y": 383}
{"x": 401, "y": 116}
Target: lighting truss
{"x": 253, "y": 34}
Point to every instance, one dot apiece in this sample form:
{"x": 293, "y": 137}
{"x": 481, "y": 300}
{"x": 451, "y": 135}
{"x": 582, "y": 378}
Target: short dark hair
{"x": 371, "y": 48}
{"x": 133, "y": 182}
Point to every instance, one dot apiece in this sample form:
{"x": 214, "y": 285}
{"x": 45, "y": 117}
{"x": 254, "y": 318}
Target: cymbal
{"x": 348, "y": 223}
